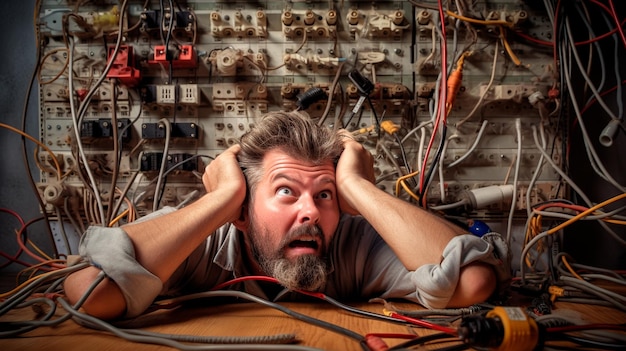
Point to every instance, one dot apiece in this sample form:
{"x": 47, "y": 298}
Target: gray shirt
{"x": 362, "y": 266}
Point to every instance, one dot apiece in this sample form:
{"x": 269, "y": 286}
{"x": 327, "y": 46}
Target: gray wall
{"x": 16, "y": 67}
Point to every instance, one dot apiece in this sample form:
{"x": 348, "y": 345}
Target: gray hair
{"x": 291, "y": 132}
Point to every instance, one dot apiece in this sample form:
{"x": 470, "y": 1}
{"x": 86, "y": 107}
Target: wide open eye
{"x": 285, "y": 191}
{"x": 325, "y": 195}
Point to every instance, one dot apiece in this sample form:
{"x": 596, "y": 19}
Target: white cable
{"x": 518, "y": 131}
{"x": 440, "y": 168}
{"x": 569, "y": 181}
{"x": 593, "y": 287}
{"x": 473, "y": 147}
{"x": 433, "y": 49}
{"x": 76, "y": 123}
{"x": 582, "y": 72}
{"x": 525, "y": 250}
{"x": 77, "y": 117}
{"x": 420, "y": 153}
{"x": 459, "y": 203}
{"x": 535, "y": 176}
{"x": 166, "y": 147}
{"x": 414, "y": 130}
{"x": 587, "y": 141}
{"x": 574, "y": 186}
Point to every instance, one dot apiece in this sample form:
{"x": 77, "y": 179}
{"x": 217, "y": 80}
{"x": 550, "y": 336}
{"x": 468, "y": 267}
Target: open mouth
{"x": 306, "y": 243}
{"x": 303, "y": 245}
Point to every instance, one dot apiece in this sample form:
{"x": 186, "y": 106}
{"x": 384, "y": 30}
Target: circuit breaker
{"x": 136, "y": 97}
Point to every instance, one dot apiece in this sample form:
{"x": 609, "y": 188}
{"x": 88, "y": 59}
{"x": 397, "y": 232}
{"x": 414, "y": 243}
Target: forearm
{"x": 142, "y": 256}
{"x": 163, "y": 243}
{"x": 416, "y": 236}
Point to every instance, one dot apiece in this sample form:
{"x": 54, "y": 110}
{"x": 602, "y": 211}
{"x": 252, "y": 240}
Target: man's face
{"x": 293, "y": 215}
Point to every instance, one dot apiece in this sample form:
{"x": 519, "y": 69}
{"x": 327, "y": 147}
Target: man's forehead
{"x": 280, "y": 162}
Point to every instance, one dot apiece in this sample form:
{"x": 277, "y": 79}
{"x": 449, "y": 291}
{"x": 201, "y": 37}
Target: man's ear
{"x": 243, "y": 221}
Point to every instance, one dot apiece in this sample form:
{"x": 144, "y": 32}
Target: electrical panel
{"x": 136, "y": 97}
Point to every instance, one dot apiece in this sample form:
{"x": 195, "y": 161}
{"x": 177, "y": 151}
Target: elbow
{"x": 106, "y": 301}
{"x": 477, "y": 282}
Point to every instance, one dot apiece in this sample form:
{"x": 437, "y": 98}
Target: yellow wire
{"x": 508, "y": 49}
{"x": 40, "y": 251}
{"x": 18, "y": 288}
{"x": 401, "y": 179}
{"x": 408, "y": 190}
{"x": 615, "y": 221}
{"x": 56, "y": 162}
{"x": 585, "y": 213}
{"x": 117, "y": 219}
{"x": 477, "y": 21}
{"x": 570, "y": 269}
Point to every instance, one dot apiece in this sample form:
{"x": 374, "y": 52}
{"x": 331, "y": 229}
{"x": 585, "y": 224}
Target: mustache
{"x": 313, "y": 230}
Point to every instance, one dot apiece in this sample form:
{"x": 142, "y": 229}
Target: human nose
{"x": 309, "y": 212}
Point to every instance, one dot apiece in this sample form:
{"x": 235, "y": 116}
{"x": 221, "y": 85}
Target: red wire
{"x": 322, "y": 296}
{"x": 392, "y": 335}
{"x": 441, "y": 108}
{"x": 30, "y": 253}
{"x": 554, "y": 34}
{"x": 243, "y": 279}
{"x": 616, "y": 18}
{"x": 534, "y": 40}
{"x": 611, "y": 11}
{"x": 578, "y": 43}
{"x": 577, "y": 208}
{"x": 14, "y": 258}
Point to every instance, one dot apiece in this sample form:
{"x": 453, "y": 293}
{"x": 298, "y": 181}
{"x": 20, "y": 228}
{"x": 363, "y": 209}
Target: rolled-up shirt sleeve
{"x": 377, "y": 271}
{"x": 112, "y": 251}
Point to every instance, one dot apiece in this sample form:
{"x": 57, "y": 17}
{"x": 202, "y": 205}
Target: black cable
{"x": 359, "y": 311}
{"x": 302, "y": 317}
{"x": 458, "y": 347}
{"x": 421, "y": 192}
{"x": 592, "y": 343}
{"x": 168, "y": 342}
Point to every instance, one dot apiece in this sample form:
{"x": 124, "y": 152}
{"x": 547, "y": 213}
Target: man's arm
{"x": 161, "y": 244}
{"x": 416, "y": 236}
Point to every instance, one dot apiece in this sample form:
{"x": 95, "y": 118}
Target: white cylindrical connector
{"x": 227, "y": 61}
{"x": 490, "y": 195}
{"x": 608, "y": 133}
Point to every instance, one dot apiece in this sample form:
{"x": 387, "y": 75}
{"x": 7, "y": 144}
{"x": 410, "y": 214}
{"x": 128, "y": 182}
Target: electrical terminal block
{"x": 296, "y": 24}
{"x": 184, "y": 56}
{"x": 292, "y": 92}
{"x": 378, "y": 25}
{"x": 154, "y": 22}
{"x": 230, "y": 97}
{"x": 313, "y": 63}
{"x": 178, "y": 130}
{"x": 239, "y": 26}
{"x": 190, "y": 94}
{"x": 101, "y": 129}
{"x": 151, "y": 162}
{"x": 166, "y": 94}
{"x": 123, "y": 67}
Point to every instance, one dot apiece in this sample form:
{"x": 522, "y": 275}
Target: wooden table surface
{"x": 245, "y": 319}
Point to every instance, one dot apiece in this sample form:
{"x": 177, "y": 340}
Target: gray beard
{"x": 305, "y": 272}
